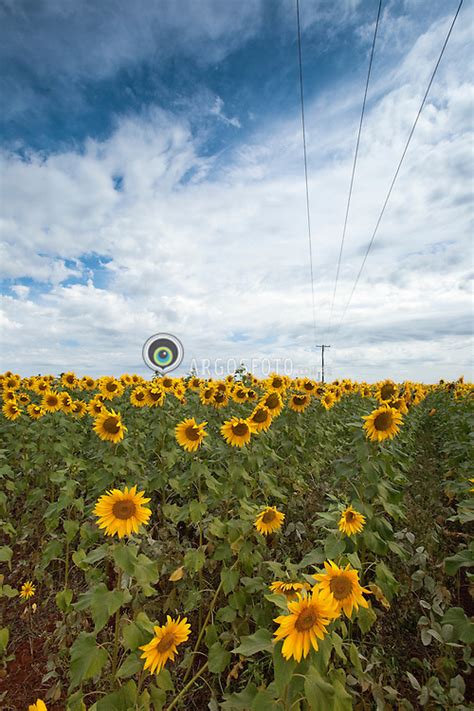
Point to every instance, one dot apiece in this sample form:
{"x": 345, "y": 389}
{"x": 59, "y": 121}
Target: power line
{"x": 399, "y": 165}
{"x": 354, "y": 164}
{"x": 303, "y": 127}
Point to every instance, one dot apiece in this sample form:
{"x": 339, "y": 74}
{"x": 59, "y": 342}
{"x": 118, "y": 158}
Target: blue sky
{"x": 151, "y": 174}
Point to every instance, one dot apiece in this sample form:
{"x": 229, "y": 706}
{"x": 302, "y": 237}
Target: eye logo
{"x": 163, "y": 352}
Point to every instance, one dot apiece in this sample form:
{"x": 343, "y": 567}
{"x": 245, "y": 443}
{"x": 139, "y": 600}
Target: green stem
{"x": 203, "y": 628}
{"x": 188, "y": 686}
{"x": 116, "y": 634}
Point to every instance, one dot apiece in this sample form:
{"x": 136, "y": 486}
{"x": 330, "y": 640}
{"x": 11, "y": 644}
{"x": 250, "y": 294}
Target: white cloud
{"x": 217, "y": 252}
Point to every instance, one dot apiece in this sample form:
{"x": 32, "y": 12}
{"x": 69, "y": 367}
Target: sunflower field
{"x": 264, "y": 544}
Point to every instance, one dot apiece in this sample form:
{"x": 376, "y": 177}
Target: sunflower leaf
{"x": 260, "y": 641}
{"x": 87, "y": 660}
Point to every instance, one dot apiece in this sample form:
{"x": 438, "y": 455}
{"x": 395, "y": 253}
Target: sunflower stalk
{"x": 187, "y": 687}
{"x": 116, "y": 633}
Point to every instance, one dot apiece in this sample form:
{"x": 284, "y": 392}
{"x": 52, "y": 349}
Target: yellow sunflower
{"x": 386, "y": 391}
{"x": 328, "y": 400}
{"x": 274, "y": 403}
{"x": 289, "y": 590}
{"x": 87, "y": 383}
{"x": 78, "y": 408}
{"x": 269, "y": 520}
{"x": 341, "y": 585}
{"x": 165, "y": 643}
{"x": 167, "y": 382}
{"x": 110, "y": 387}
{"x": 299, "y": 403}
{"x": 23, "y": 398}
{"x": 109, "y": 427}
{"x": 122, "y": 512}
{"x": 237, "y": 431}
{"x": 95, "y": 406}
{"x": 66, "y": 402}
{"x": 69, "y": 380}
{"x": 11, "y": 410}
{"x": 27, "y": 590}
{"x": 383, "y": 423}
{"x": 138, "y": 397}
{"x": 219, "y": 398}
{"x": 35, "y": 411}
{"x": 261, "y": 418}
{"x": 155, "y": 395}
{"x": 351, "y": 521}
{"x": 38, "y": 706}
{"x": 309, "y": 386}
{"x": 306, "y": 622}
{"x": 190, "y": 435}
{"x": 206, "y": 394}
{"x": 51, "y": 401}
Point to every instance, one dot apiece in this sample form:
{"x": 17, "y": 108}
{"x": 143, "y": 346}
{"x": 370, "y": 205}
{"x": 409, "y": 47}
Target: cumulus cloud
{"x": 216, "y": 251}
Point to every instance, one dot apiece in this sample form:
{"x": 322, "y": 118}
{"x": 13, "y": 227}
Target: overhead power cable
{"x": 354, "y": 165}
{"x": 305, "y": 159}
{"x": 387, "y": 198}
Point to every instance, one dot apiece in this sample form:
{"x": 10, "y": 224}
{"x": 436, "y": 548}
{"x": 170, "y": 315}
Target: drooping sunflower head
{"x": 190, "y": 435}
{"x": 307, "y": 621}
{"x": 109, "y": 427}
{"x": 165, "y": 643}
{"x": 122, "y": 512}
{"x": 299, "y": 403}
{"x": 155, "y": 394}
{"x": 289, "y": 590}
{"x": 237, "y": 431}
{"x": 269, "y": 520}
{"x": 351, "y": 521}
{"x": 383, "y": 423}
{"x": 261, "y": 418}
{"x": 341, "y": 585}
{"x": 27, "y": 590}
{"x": 66, "y": 402}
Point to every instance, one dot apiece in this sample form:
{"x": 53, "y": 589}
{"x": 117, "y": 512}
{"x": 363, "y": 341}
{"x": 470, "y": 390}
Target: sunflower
{"x": 269, "y": 520}
{"x": 155, "y": 395}
{"x": 237, "y": 431}
{"x": 110, "y": 387}
{"x": 87, "y": 383}
{"x": 382, "y": 423}
{"x": 95, "y": 406}
{"x": 41, "y": 386}
{"x": 239, "y": 393}
{"x": 386, "y": 391}
{"x": 27, "y": 590}
{"x": 277, "y": 383}
{"x": 78, "y": 408}
{"x": 38, "y": 706}
{"x": 400, "y": 404}
{"x": 23, "y": 398}
{"x": 51, "y": 401}
{"x": 328, "y": 400}
{"x": 299, "y": 403}
{"x": 167, "y": 383}
{"x": 190, "y": 435}
{"x": 309, "y": 386}
{"x": 307, "y": 621}
{"x": 206, "y": 394}
{"x": 35, "y": 411}
{"x": 9, "y": 395}
{"x": 69, "y": 380}
{"x": 11, "y": 410}
{"x": 126, "y": 380}
{"x": 274, "y": 403}
{"x": 122, "y": 512}
{"x": 289, "y": 590}
{"x": 138, "y": 397}
{"x": 351, "y": 521}
{"x": 341, "y": 585}
{"x": 109, "y": 427}
{"x": 261, "y": 418}
{"x": 194, "y": 383}
{"x": 219, "y": 398}
{"x": 66, "y": 402}
{"x": 165, "y": 643}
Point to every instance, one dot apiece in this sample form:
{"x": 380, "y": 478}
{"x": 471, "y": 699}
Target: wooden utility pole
{"x": 322, "y": 346}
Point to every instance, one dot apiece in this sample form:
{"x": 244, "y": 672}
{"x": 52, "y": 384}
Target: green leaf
{"x": 241, "y": 701}
{"x": 318, "y": 690}
{"x": 84, "y": 560}
{"x": 260, "y": 641}
{"x": 158, "y": 696}
{"x": 463, "y": 628}
{"x": 5, "y": 554}
{"x": 283, "y": 669}
{"x": 164, "y": 680}
{"x": 132, "y": 665}
{"x": 63, "y": 599}
{"x": 463, "y": 559}
{"x": 194, "y": 560}
{"x": 53, "y": 549}
{"x": 4, "y": 637}
{"x": 138, "y": 566}
{"x": 218, "y": 658}
{"x": 87, "y": 660}
{"x": 102, "y": 603}
{"x": 70, "y": 528}
{"x": 229, "y": 578}
{"x": 334, "y": 546}
{"x": 366, "y": 618}
{"x": 122, "y": 700}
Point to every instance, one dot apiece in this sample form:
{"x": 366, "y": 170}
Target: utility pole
{"x": 322, "y": 346}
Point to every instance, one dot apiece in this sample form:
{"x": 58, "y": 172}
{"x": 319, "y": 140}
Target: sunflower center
{"x": 123, "y": 509}
{"x": 387, "y": 391}
{"x": 383, "y": 421}
{"x": 52, "y": 401}
{"x": 350, "y": 516}
{"x": 192, "y": 433}
{"x": 219, "y": 397}
{"x": 111, "y": 425}
{"x": 167, "y": 382}
{"x": 140, "y": 396}
{"x": 341, "y": 587}
{"x": 268, "y": 516}
{"x": 241, "y": 429}
{"x": 111, "y": 387}
{"x": 165, "y": 643}
{"x": 299, "y": 399}
{"x": 308, "y": 386}
{"x": 272, "y": 401}
{"x": 277, "y": 382}
{"x": 306, "y": 620}
{"x": 260, "y": 416}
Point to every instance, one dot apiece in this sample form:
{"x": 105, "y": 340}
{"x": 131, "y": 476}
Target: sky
{"x": 152, "y": 179}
